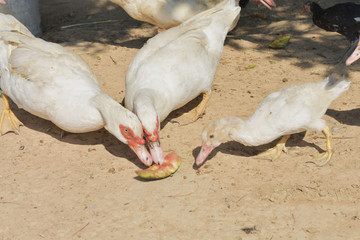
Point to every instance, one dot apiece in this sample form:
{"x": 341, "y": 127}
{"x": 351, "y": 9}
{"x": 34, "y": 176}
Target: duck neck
{"x": 245, "y": 132}
{"x": 231, "y": 129}
{"x": 144, "y": 108}
{"x": 112, "y": 113}
{"x": 316, "y": 10}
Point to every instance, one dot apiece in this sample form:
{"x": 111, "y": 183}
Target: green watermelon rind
{"x": 154, "y": 173}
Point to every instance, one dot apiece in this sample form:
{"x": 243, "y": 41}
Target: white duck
{"x": 290, "y": 110}
{"x": 54, "y": 83}
{"x": 176, "y": 66}
{"x": 170, "y": 13}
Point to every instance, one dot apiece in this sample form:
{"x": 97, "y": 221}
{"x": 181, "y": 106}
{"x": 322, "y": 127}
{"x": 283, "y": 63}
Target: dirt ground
{"x": 84, "y": 186}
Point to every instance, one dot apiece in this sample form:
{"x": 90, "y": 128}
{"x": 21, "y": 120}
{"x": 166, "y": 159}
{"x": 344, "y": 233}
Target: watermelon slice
{"x": 170, "y": 165}
{"x": 281, "y": 41}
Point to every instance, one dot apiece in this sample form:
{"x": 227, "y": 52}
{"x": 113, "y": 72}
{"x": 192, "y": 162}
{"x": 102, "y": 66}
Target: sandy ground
{"x": 83, "y": 186}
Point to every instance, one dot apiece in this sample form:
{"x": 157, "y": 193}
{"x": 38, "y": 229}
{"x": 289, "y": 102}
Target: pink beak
{"x": 354, "y": 56}
{"x": 2, "y": 2}
{"x": 156, "y": 151}
{"x": 143, "y": 154}
{"x": 268, "y": 3}
{"x": 203, "y": 154}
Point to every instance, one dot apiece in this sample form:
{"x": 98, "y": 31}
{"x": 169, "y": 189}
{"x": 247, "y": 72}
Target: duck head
{"x": 144, "y": 108}
{"x": 212, "y": 136}
{"x": 218, "y": 132}
{"x": 136, "y": 142}
{"x": 311, "y": 8}
{"x": 153, "y": 140}
{"x": 134, "y": 138}
{"x": 123, "y": 124}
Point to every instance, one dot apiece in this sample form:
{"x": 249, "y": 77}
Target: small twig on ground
{"x": 81, "y": 229}
{"x": 113, "y": 60}
{"x": 89, "y": 23}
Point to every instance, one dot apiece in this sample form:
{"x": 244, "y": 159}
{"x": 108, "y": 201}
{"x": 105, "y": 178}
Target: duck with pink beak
{"x": 290, "y": 110}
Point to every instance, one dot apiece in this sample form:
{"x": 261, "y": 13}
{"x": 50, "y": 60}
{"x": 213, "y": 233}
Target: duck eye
{"x": 126, "y": 132}
{"x": 211, "y": 136}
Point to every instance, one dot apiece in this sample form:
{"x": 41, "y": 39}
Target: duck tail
{"x": 227, "y": 14}
{"x": 10, "y": 23}
{"x": 212, "y": 25}
{"x": 230, "y": 13}
{"x": 336, "y": 85}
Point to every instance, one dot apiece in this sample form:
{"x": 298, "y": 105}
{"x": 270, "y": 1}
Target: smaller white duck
{"x": 54, "y": 83}
{"x": 176, "y": 66}
{"x": 291, "y": 110}
{"x": 170, "y": 13}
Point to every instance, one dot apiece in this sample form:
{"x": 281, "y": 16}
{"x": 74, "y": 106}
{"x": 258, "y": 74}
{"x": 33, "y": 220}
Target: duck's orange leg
{"x": 325, "y": 157}
{"x": 194, "y": 114}
{"x": 274, "y": 153}
{"x": 8, "y": 121}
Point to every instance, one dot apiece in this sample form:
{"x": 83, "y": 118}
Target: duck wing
{"x": 39, "y": 61}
